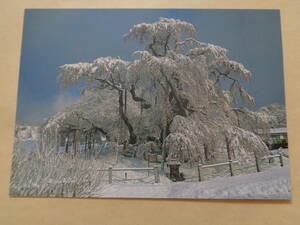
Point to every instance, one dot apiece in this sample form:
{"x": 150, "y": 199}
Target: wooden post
{"x": 281, "y": 159}
{"x": 148, "y": 162}
{"x": 110, "y": 175}
{"x": 257, "y": 161}
{"x": 199, "y": 172}
{"x": 164, "y": 148}
{"x": 230, "y": 168}
{"x": 156, "y": 174}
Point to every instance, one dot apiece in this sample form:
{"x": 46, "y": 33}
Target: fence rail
{"x": 218, "y": 164}
{"x": 258, "y": 161}
{"x": 258, "y": 164}
{"x": 110, "y": 171}
{"x": 229, "y": 163}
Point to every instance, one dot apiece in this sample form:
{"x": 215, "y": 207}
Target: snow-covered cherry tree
{"x": 189, "y": 76}
{"x": 106, "y": 74}
{"x": 179, "y": 90}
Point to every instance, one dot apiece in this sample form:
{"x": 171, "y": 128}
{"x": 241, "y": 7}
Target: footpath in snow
{"x": 271, "y": 184}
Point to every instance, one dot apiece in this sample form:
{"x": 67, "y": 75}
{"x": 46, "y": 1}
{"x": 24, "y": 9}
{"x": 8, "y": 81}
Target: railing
{"x": 110, "y": 170}
{"x": 229, "y": 163}
{"x": 258, "y": 161}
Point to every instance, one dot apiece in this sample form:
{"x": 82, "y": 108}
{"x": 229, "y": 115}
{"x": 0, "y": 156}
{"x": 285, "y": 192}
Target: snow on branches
{"x": 161, "y": 34}
{"x": 243, "y": 144}
{"x": 107, "y": 71}
{"x": 163, "y": 29}
{"x": 278, "y": 113}
{"x": 71, "y": 74}
{"x": 171, "y": 92}
{"x": 236, "y": 90}
{"x": 224, "y": 67}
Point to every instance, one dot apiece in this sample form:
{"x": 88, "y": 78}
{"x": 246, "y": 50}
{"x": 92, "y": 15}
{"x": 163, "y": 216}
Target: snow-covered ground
{"x": 271, "y": 184}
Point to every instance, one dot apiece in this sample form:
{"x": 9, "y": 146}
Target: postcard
{"x": 151, "y": 103}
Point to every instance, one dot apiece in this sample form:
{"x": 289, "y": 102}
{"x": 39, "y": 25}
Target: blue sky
{"x": 55, "y": 37}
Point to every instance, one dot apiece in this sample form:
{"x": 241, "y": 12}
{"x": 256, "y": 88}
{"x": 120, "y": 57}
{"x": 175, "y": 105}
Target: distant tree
{"x": 103, "y": 74}
{"x": 278, "y": 112}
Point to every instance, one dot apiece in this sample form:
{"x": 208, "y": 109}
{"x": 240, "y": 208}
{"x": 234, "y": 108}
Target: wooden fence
{"x": 110, "y": 171}
{"x": 229, "y": 163}
{"x": 258, "y": 161}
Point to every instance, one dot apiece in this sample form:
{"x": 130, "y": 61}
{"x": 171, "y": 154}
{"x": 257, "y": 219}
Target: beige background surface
{"x": 40, "y": 211}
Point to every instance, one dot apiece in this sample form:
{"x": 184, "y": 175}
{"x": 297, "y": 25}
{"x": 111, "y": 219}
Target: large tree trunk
{"x": 165, "y": 131}
{"x": 132, "y": 136}
{"x": 144, "y": 103}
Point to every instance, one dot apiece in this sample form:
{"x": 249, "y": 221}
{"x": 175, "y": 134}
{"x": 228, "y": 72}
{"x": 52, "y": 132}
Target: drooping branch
{"x": 132, "y": 136}
{"x": 111, "y": 84}
{"x": 101, "y": 130}
{"x": 93, "y": 126}
{"x": 145, "y": 104}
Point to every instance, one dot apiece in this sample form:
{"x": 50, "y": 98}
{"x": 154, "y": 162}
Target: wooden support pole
{"x": 199, "y": 172}
{"x": 148, "y": 159}
{"x": 257, "y": 163}
{"x": 230, "y": 168}
{"x": 164, "y": 148}
{"x": 281, "y": 159}
{"x": 156, "y": 174}
{"x": 110, "y": 175}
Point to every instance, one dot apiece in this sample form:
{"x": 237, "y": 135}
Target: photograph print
{"x": 151, "y": 103}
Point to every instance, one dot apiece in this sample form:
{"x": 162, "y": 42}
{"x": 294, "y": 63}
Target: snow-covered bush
{"x": 51, "y": 174}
